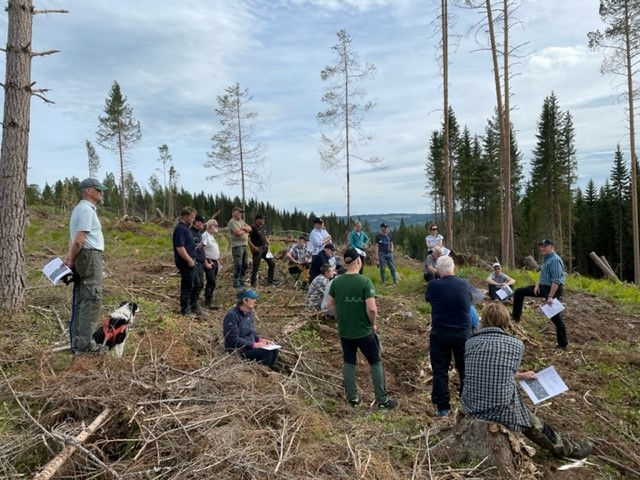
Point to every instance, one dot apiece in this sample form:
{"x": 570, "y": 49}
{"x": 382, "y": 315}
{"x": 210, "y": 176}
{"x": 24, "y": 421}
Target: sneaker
{"x": 355, "y": 403}
{"x": 213, "y": 307}
{"x": 390, "y": 404}
{"x": 97, "y": 349}
{"x": 442, "y": 412}
{"x": 581, "y": 450}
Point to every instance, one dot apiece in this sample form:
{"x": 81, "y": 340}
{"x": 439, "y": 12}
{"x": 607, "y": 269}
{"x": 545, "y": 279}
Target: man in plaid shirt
{"x": 492, "y": 361}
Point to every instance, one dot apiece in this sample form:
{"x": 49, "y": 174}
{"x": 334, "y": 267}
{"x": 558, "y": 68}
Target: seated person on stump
{"x": 430, "y": 270}
{"x": 239, "y": 332}
{"x": 492, "y": 362}
{"x": 299, "y": 259}
{"x": 497, "y": 280}
{"x": 317, "y": 289}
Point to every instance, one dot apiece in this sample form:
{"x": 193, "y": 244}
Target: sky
{"x": 172, "y": 59}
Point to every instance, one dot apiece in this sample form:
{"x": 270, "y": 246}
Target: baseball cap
{"x": 496, "y": 265}
{"x": 318, "y": 220}
{"x": 92, "y": 183}
{"x": 383, "y": 225}
{"x": 238, "y": 209}
{"x": 329, "y": 246}
{"x": 350, "y": 255}
{"x": 247, "y": 294}
{"x": 199, "y": 218}
{"x": 259, "y": 216}
{"x": 545, "y": 241}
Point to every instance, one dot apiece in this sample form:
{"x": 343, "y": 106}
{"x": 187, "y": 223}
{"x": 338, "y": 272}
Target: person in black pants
{"x": 259, "y": 244}
{"x": 548, "y": 286}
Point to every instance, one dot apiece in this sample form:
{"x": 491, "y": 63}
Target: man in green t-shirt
{"x": 352, "y": 300}
{"x": 239, "y": 237}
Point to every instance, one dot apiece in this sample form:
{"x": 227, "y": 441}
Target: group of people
{"x": 488, "y": 362}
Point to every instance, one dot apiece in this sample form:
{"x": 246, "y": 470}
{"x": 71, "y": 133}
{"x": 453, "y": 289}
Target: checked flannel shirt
{"x": 490, "y": 392}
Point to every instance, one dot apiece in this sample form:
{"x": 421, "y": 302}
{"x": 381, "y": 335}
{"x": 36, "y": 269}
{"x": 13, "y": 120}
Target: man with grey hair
{"x": 450, "y": 300}
{"x": 86, "y": 245}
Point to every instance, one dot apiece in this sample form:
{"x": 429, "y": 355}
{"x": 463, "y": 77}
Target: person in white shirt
{"x": 211, "y": 264}
{"x": 434, "y": 239}
{"x": 318, "y": 237}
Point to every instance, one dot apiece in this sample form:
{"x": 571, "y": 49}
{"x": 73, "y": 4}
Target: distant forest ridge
{"x": 372, "y": 221}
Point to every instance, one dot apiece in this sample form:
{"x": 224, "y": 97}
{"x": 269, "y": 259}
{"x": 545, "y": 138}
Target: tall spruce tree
{"x": 552, "y": 174}
{"x": 620, "y": 41}
{"x": 93, "y": 159}
{"x": 118, "y": 131}
{"x": 620, "y": 197}
{"x": 237, "y": 156}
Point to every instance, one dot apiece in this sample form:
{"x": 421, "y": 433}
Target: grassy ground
{"x": 181, "y": 408}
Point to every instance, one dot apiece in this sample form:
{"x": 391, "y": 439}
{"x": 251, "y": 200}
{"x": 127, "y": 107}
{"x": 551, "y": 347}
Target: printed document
{"x": 546, "y": 384}
{"x": 552, "y": 310}
{"x": 271, "y": 346}
{"x": 55, "y": 270}
{"x": 504, "y": 292}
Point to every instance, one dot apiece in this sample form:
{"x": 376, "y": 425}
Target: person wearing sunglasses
{"x": 497, "y": 280}
{"x": 434, "y": 239}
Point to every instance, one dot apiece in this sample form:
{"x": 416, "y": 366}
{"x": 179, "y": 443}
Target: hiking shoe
{"x": 213, "y": 307}
{"x": 580, "y": 450}
{"x": 97, "y": 349}
{"x": 355, "y": 403}
{"x": 390, "y": 404}
{"x": 442, "y": 412}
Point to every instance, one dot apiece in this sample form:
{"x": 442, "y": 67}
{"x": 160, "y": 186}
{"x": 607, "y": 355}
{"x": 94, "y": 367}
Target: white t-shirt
{"x": 211, "y": 249}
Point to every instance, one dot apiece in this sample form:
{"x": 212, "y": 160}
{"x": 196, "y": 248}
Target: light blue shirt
{"x": 84, "y": 218}
{"x": 551, "y": 270}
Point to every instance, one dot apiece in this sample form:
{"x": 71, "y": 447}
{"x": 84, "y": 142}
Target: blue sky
{"x": 172, "y": 59}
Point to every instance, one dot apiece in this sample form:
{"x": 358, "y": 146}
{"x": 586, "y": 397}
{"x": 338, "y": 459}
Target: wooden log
{"x": 54, "y": 465}
{"x": 531, "y": 264}
{"x": 602, "y": 266}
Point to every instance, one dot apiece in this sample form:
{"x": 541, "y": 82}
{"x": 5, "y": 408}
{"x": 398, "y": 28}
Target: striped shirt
{"x": 551, "y": 270}
{"x": 490, "y": 393}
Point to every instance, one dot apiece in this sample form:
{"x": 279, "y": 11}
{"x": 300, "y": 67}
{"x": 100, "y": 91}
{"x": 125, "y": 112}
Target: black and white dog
{"x": 112, "y": 331}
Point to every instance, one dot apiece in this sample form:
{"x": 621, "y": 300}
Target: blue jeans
{"x": 442, "y": 343}
{"x": 388, "y": 258}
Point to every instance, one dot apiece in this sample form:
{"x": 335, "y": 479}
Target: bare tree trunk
{"x": 632, "y": 146}
{"x": 510, "y": 259}
{"x": 448, "y": 170}
{"x": 14, "y": 154}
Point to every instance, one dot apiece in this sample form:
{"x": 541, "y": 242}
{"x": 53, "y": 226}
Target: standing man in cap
{"x": 184, "y": 254}
{"x": 259, "y": 244}
{"x": 352, "y": 299}
{"x": 86, "y": 245}
{"x": 384, "y": 244}
{"x": 198, "y": 279}
{"x": 239, "y": 238}
{"x": 318, "y": 237}
{"x": 548, "y": 286}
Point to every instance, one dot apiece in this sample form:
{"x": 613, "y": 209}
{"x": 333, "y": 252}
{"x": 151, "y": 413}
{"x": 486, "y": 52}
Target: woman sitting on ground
{"x": 240, "y": 335}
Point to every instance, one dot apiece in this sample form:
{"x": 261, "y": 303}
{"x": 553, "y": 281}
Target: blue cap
{"x": 247, "y": 294}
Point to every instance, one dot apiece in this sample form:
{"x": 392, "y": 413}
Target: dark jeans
{"x": 257, "y": 256}
{"x": 198, "y": 284}
{"x": 428, "y": 276}
{"x": 368, "y": 345}
{"x": 187, "y": 282}
{"x": 518, "y": 301}
{"x": 442, "y": 343}
{"x": 211, "y": 275}
{"x": 388, "y": 259}
{"x": 260, "y": 355}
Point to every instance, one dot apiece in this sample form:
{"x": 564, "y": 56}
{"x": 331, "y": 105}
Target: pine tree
{"x": 93, "y": 159}
{"x": 236, "y": 155}
{"x": 118, "y": 131}
{"x": 346, "y": 108}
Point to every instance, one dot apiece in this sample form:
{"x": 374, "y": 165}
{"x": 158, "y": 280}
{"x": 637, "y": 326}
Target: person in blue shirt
{"x": 548, "y": 286}
{"x": 384, "y": 244}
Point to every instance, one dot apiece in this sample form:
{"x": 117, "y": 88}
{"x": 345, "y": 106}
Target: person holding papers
{"x": 497, "y": 280}
{"x": 548, "y": 286}
{"x": 240, "y": 335}
{"x": 492, "y": 360}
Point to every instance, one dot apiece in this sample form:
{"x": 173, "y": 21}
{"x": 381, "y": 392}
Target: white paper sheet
{"x": 55, "y": 270}
{"x": 552, "y": 310}
{"x": 504, "y": 292}
{"x": 546, "y": 384}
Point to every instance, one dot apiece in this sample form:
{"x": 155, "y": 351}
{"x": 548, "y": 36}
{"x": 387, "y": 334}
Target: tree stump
{"x": 531, "y": 264}
{"x": 475, "y": 441}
